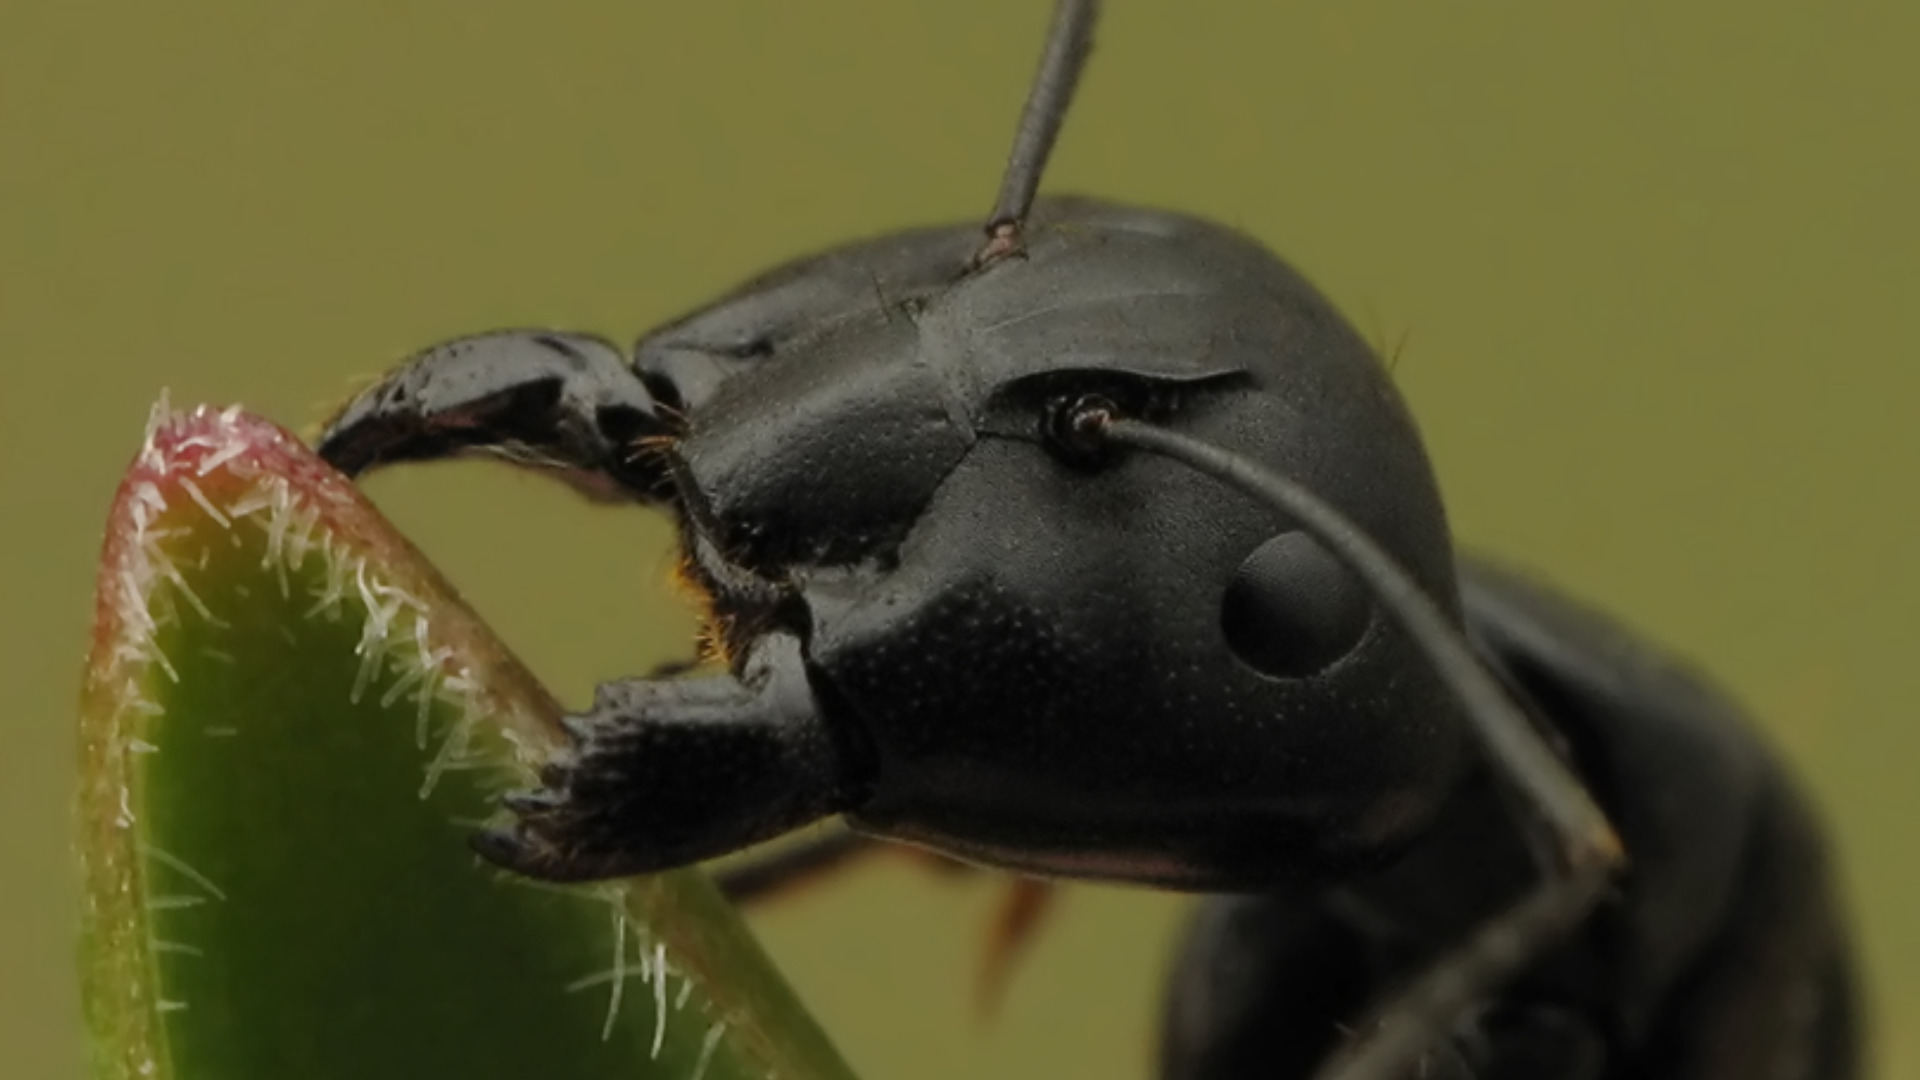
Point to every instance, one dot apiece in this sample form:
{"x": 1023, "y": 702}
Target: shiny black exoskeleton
{"x": 1103, "y": 548}
{"x": 955, "y": 620}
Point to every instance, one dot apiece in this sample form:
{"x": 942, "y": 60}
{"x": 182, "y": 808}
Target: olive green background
{"x": 1654, "y": 265}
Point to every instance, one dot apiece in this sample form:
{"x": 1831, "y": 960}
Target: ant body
{"x": 1101, "y": 547}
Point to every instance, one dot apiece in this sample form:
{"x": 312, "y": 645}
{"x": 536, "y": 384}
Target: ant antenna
{"x": 1581, "y": 852}
{"x": 1069, "y": 40}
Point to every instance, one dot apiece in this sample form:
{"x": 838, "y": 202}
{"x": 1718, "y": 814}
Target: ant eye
{"x": 1074, "y": 427}
{"x": 1292, "y": 608}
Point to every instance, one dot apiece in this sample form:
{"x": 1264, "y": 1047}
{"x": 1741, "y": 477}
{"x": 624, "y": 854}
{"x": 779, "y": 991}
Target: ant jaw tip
{"x": 503, "y": 847}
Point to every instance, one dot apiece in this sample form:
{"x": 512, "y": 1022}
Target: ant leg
{"x": 568, "y": 403}
{"x": 664, "y": 773}
{"x": 1416, "y": 1020}
{"x": 771, "y": 875}
{"x": 1263, "y": 985}
{"x": 1015, "y": 926}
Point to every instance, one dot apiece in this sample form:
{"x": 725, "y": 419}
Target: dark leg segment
{"x": 1261, "y": 988}
{"x": 1267, "y": 987}
{"x": 666, "y": 773}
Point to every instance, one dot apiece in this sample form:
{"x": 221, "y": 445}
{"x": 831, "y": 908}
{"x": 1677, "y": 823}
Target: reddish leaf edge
{"x": 239, "y": 470}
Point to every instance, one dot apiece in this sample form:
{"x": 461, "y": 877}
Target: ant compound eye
{"x": 1292, "y": 608}
{"x": 1075, "y": 427}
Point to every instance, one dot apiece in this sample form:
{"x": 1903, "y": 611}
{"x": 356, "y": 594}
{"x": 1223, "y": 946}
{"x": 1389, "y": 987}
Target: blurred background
{"x": 1649, "y": 269}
